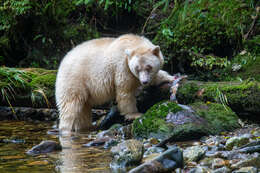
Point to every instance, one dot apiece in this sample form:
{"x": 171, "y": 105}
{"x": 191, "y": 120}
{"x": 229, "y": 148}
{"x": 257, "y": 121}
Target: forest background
{"x": 207, "y": 39}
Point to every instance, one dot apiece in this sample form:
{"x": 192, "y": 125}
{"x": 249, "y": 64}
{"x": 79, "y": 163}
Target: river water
{"x": 16, "y": 137}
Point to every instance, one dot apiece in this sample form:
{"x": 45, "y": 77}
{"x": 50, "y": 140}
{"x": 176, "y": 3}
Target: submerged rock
{"x": 28, "y": 113}
{"x": 98, "y": 142}
{"x": 127, "y": 153}
{"x": 166, "y": 162}
{"x": 44, "y": 147}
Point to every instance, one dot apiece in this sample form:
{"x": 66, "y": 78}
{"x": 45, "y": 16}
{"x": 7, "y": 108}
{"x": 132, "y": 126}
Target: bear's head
{"x": 144, "y": 63}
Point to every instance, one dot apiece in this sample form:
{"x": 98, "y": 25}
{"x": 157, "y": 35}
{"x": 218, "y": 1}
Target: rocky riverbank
{"x": 157, "y": 141}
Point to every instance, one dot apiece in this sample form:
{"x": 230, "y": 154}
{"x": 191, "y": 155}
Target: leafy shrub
{"x": 201, "y": 33}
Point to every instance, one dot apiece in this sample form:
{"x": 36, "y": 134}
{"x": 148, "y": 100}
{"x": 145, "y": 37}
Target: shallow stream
{"x": 16, "y": 137}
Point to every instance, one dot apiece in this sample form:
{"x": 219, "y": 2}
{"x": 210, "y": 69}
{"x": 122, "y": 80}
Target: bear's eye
{"x": 148, "y": 68}
{"x": 137, "y": 69}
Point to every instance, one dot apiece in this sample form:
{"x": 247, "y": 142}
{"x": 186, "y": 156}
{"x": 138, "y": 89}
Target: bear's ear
{"x": 156, "y": 50}
{"x": 129, "y": 52}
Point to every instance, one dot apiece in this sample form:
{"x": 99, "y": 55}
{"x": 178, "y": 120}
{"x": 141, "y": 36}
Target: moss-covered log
{"x": 30, "y": 87}
{"x": 242, "y": 97}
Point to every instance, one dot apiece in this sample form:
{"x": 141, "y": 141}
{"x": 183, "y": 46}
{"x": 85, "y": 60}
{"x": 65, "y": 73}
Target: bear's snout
{"x": 144, "y": 78}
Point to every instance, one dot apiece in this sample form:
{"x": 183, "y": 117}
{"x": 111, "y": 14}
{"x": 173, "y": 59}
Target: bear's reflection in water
{"x": 75, "y": 158}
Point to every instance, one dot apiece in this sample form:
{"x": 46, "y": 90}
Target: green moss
{"x": 187, "y": 93}
{"x": 44, "y": 81}
{"x": 220, "y": 117}
{"x": 211, "y": 118}
{"x": 25, "y": 83}
{"x": 153, "y": 121}
{"x": 242, "y": 98}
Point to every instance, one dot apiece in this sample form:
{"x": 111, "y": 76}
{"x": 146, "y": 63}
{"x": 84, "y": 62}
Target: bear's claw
{"x": 133, "y": 116}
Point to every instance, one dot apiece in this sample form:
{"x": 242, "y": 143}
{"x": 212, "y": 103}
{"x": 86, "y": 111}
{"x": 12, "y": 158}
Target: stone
{"x": 194, "y": 153}
{"x": 206, "y": 162}
{"x": 153, "y": 150}
{"x": 252, "y": 160}
{"x": 200, "y": 169}
{"x": 127, "y": 153}
{"x": 98, "y": 142}
{"x": 237, "y": 141}
{"x": 218, "y": 163}
{"x": 44, "y": 147}
{"x": 222, "y": 170}
{"x": 246, "y": 170}
{"x": 165, "y": 162}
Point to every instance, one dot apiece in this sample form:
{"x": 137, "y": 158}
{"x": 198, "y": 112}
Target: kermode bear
{"x": 100, "y": 70}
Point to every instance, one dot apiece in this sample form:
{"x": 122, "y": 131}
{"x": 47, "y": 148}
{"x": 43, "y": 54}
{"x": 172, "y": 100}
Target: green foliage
{"x": 244, "y": 65}
{"x": 205, "y": 33}
{"x": 11, "y": 9}
{"x": 33, "y": 31}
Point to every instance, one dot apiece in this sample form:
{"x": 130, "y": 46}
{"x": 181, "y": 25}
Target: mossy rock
{"x": 168, "y": 120}
{"x": 220, "y": 117}
{"x": 29, "y": 87}
{"x": 242, "y": 97}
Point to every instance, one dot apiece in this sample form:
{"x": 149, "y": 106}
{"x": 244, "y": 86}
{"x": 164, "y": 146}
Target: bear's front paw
{"x": 133, "y": 116}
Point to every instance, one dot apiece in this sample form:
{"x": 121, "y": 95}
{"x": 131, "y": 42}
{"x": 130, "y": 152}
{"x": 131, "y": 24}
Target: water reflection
{"x": 75, "y": 158}
{"x": 16, "y": 137}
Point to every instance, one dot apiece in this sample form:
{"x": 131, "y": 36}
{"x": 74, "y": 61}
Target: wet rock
{"x": 218, "y": 163}
{"x": 110, "y": 143}
{"x": 153, "y": 150}
{"x": 230, "y": 155}
{"x": 127, "y": 153}
{"x": 252, "y": 160}
{"x": 53, "y": 131}
{"x": 237, "y": 141}
{"x": 44, "y": 147}
{"x": 215, "y": 141}
{"x": 256, "y": 132}
{"x": 222, "y": 170}
{"x": 126, "y": 132}
{"x": 153, "y": 141}
{"x": 98, "y": 142}
{"x": 28, "y": 113}
{"x": 246, "y": 170}
{"x": 111, "y": 118}
{"x": 194, "y": 153}
{"x": 150, "y": 157}
{"x": 206, "y": 162}
{"x": 250, "y": 148}
{"x": 15, "y": 141}
{"x": 166, "y": 162}
{"x": 200, "y": 169}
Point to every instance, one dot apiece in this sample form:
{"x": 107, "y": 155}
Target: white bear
{"x": 100, "y": 70}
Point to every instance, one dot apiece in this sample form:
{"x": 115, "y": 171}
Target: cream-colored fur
{"x": 100, "y": 70}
